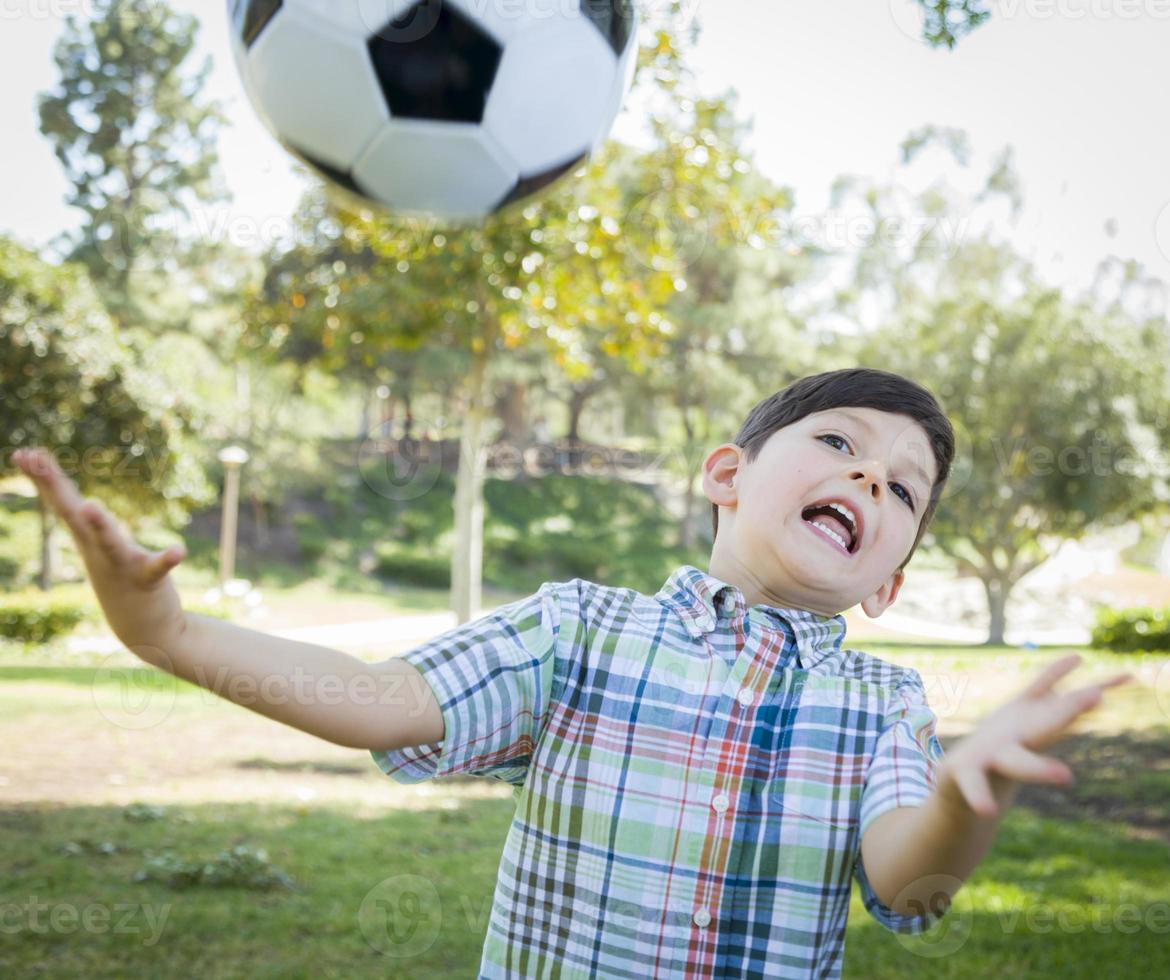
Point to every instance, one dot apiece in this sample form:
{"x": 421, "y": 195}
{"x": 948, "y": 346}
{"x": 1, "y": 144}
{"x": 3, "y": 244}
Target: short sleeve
{"x": 902, "y": 772}
{"x": 493, "y": 679}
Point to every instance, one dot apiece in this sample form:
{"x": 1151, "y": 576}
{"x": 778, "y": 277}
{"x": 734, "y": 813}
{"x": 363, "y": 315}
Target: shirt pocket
{"x": 816, "y": 755}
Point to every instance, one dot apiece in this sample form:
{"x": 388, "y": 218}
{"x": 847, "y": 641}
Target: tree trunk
{"x": 686, "y": 538}
{"x": 367, "y": 408}
{"x": 576, "y": 408}
{"x": 997, "y": 593}
{"x": 259, "y": 521}
{"x": 512, "y": 409}
{"x": 48, "y": 571}
{"x": 467, "y": 561}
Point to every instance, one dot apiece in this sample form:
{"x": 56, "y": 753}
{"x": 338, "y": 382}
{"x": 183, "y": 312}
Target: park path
{"x": 402, "y": 631}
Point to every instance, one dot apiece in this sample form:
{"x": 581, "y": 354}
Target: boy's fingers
{"x": 104, "y": 528}
{"x": 160, "y": 565}
{"x": 1020, "y": 764}
{"x": 1054, "y": 718}
{"x": 976, "y": 790}
{"x": 1050, "y": 674}
{"x": 55, "y": 487}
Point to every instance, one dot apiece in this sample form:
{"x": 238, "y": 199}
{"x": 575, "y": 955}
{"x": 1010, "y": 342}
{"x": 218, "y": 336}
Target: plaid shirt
{"x": 692, "y": 777}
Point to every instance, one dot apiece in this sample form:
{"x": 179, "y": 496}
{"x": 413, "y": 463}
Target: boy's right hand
{"x": 132, "y": 584}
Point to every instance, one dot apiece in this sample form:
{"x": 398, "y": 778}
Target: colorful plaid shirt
{"x": 692, "y": 777}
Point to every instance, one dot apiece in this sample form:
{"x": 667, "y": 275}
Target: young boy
{"x": 698, "y": 774}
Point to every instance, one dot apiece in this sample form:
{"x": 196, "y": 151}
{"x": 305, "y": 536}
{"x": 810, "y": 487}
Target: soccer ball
{"x": 453, "y": 108}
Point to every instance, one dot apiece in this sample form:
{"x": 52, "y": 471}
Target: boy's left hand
{"x": 984, "y": 770}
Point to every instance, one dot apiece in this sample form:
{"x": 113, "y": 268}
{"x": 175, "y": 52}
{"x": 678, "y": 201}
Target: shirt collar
{"x": 700, "y": 599}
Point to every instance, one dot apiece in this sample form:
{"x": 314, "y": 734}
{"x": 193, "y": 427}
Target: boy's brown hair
{"x": 853, "y": 388}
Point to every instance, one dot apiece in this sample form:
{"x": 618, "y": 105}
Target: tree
{"x": 137, "y": 143}
{"x": 1059, "y": 399}
{"x": 947, "y": 21}
{"x": 372, "y": 287}
{"x": 66, "y": 382}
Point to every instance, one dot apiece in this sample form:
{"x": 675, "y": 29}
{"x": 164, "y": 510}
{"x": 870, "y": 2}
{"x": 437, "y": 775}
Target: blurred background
{"x": 367, "y": 429}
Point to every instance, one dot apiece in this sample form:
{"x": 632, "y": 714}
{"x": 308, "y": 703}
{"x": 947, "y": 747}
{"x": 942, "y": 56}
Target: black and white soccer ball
{"x": 453, "y": 108}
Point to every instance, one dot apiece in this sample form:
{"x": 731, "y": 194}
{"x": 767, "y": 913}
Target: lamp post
{"x": 232, "y": 457}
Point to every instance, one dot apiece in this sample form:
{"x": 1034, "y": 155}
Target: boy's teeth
{"x": 828, "y": 530}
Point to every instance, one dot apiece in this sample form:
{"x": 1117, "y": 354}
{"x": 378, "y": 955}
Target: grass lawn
{"x": 1075, "y": 885}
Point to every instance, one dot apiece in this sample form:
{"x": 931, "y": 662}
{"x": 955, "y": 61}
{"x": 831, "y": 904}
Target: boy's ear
{"x": 719, "y": 470}
{"x": 881, "y": 600}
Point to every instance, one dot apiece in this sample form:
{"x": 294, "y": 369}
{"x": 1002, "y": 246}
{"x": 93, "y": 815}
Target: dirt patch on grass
{"x": 1121, "y": 778}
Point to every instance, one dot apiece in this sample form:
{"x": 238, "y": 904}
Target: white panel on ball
{"x": 318, "y": 88}
{"x": 451, "y": 169}
{"x": 357, "y": 18}
{"x": 540, "y": 110}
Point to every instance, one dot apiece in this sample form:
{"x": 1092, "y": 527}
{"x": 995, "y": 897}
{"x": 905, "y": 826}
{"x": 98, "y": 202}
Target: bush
{"x": 311, "y": 537}
{"x": 241, "y": 867}
{"x": 1127, "y": 630}
{"x": 412, "y": 568}
{"x": 38, "y": 617}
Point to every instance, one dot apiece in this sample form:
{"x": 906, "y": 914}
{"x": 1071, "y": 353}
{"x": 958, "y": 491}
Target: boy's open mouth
{"x": 836, "y": 522}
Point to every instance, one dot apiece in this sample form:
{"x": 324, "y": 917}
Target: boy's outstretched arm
{"x": 318, "y": 690}
{"x": 916, "y": 858}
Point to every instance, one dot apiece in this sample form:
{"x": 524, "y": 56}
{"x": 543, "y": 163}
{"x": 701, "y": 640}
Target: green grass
{"x": 1074, "y": 887}
{"x": 1054, "y": 898}
{"x": 333, "y": 858}
{"x": 1025, "y": 913}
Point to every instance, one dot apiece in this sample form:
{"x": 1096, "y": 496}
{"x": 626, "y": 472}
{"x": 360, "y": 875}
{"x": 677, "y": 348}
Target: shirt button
{"x": 745, "y": 697}
{"x": 702, "y": 918}
{"x": 721, "y": 802}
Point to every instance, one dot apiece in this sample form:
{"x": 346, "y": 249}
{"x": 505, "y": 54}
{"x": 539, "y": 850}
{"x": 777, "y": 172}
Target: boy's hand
{"x": 132, "y": 584}
{"x": 984, "y": 770}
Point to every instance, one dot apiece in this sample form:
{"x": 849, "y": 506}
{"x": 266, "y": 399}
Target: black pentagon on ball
{"x": 527, "y": 186}
{"x": 250, "y": 17}
{"x": 433, "y": 62}
{"x": 614, "y": 18}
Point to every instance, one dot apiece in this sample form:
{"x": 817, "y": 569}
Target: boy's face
{"x": 876, "y": 464}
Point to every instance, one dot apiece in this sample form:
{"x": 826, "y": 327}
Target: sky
{"x": 1076, "y": 87}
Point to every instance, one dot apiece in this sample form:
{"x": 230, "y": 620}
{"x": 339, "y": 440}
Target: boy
{"x": 699, "y": 774}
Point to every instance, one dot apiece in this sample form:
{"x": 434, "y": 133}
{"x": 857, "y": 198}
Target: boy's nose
{"x": 869, "y": 473}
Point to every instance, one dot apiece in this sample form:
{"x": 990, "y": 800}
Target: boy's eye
{"x": 897, "y": 487}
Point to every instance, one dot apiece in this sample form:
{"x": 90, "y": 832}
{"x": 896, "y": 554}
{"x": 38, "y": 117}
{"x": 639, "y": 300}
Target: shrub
{"x": 38, "y": 617}
{"x": 412, "y": 568}
{"x": 1125, "y": 630}
{"x": 241, "y": 867}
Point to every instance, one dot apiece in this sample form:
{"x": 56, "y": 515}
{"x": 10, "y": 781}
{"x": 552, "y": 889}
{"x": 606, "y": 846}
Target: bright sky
{"x": 1077, "y": 87}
